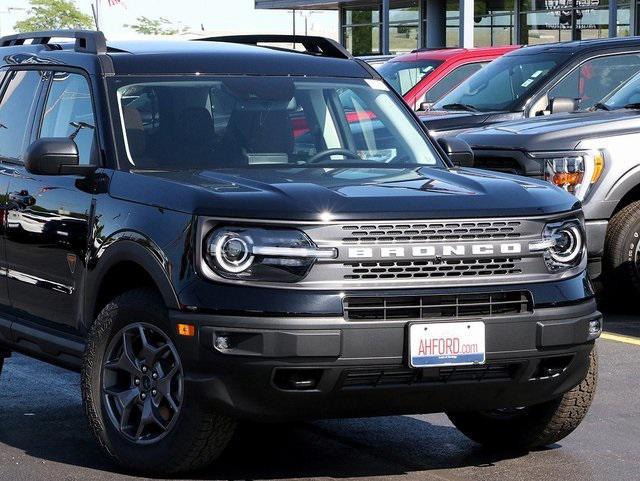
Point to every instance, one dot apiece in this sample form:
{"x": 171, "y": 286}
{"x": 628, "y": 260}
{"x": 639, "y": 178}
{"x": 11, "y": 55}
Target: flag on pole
{"x": 114, "y": 2}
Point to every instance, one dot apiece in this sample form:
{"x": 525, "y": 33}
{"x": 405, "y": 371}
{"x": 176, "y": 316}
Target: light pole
{"x": 306, "y": 14}
{"x": 7, "y": 11}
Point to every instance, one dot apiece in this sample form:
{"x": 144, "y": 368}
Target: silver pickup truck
{"x": 595, "y": 155}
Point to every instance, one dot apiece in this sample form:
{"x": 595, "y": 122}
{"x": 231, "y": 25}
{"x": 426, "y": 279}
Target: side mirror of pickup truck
{"x": 560, "y": 105}
{"x": 55, "y": 156}
{"x": 424, "y": 106}
{"x": 458, "y": 151}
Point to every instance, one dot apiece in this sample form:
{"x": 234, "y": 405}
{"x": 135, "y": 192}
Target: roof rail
{"x": 321, "y": 46}
{"x": 87, "y": 41}
{"x": 431, "y": 49}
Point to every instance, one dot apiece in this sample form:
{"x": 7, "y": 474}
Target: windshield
{"x": 403, "y": 76}
{"x": 199, "y": 122}
{"x": 501, "y": 84}
{"x": 628, "y": 95}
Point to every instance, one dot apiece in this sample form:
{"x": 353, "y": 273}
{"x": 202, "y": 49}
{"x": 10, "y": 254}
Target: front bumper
{"x": 285, "y": 368}
{"x": 596, "y": 234}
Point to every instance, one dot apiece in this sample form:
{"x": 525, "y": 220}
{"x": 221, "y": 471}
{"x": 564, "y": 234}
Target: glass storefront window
{"x": 362, "y": 40}
{"x": 453, "y": 23}
{"x": 405, "y": 14}
{"x": 592, "y": 23}
{"x": 547, "y": 27}
{"x": 624, "y": 19}
{"x": 362, "y": 16}
{"x": 541, "y": 21}
{"x": 493, "y": 21}
{"x": 404, "y": 30}
{"x": 361, "y": 29}
{"x": 403, "y": 38}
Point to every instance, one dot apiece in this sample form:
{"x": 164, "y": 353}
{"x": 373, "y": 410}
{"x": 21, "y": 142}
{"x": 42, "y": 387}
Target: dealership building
{"x": 395, "y": 26}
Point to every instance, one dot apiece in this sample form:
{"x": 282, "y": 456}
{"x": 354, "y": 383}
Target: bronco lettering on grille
{"x": 435, "y": 250}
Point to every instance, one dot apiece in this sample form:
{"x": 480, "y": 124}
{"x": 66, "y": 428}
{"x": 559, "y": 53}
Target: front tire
{"x": 534, "y": 426}
{"x": 621, "y": 261}
{"x": 138, "y": 405}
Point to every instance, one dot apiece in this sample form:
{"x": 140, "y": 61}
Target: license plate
{"x": 446, "y": 344}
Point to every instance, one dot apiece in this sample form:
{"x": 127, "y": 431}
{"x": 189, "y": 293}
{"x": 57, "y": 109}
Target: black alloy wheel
{"x": 142, "y": 383}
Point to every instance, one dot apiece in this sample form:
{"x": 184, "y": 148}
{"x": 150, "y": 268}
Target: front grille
{"x": 502, "y": 266}
{"x": 444, "y": 306}
{"x": 407, "y": 377}
{"x": 430, "y": 231}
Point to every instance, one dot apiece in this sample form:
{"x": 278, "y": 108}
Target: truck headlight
{"x": 562, "y": 245}
{"x": 261, "y": 254}
{"x": 574, "y": 172}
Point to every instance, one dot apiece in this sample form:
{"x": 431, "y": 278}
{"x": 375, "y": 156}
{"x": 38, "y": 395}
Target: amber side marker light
{"x": 598, "y": 167}
{"x": 187, "y": 330}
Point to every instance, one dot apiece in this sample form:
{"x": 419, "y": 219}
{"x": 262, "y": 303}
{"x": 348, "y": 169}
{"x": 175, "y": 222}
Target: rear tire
{"x": 534, "y": 426}
{"x": 621, "y": 261}
{"x": 179, "y": 433}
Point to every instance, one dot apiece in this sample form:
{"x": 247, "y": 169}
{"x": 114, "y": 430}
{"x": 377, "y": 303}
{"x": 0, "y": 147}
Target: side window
{"x": 69, "y": 113}
{"x": 596, "y": 78}
{"x": 452, "y": 80}
{"x": 16, "y": 109}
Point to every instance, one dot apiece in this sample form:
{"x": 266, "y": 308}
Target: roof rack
{"x": 321, "y": 46}
{"x": 87, "y": 41}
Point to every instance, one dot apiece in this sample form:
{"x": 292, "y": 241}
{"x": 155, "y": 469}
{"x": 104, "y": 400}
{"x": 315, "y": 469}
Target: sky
{"x": 215, "y": 15}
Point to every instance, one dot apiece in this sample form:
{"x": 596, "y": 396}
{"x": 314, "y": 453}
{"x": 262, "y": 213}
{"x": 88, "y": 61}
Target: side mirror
{"x": 560, "y": 105}
{"x": 424, "y": 106}
{"x": 55, "y": 156}
{"x": 457, "y": 150}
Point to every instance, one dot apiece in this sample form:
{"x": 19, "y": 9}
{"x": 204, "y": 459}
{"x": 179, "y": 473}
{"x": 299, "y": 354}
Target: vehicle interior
{"x": 243, "y": 122}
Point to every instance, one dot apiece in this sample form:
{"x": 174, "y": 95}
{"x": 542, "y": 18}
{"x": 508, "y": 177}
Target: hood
{"x": 443, "y": 123}
{"x": 342, "y": 194}
{"x": 553, "y": 132}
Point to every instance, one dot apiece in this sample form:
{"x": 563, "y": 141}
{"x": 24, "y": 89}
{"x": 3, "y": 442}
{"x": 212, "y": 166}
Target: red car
{"x": 425, "y": 75}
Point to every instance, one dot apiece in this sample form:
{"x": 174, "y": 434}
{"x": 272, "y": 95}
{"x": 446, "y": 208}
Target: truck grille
{"x": 403, "y": 376}
{"x": 429, "y": 269}
{"x": 430, "y": 231}
{"x": 358, "y": 308}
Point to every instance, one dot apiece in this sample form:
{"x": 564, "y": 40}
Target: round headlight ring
{"x": 573, "y": 244}
{"x": 231, "y": 252}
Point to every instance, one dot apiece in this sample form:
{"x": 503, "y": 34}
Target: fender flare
{"x": 129, "y": 246}
{"x": 629, "y": 181}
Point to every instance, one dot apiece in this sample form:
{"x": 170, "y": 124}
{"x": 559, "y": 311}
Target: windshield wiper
{"x": 634, "y": 105}
{"x": 458, "y": 106}
{"x": 78, "y": 126}
{"x": 601, "y": 106}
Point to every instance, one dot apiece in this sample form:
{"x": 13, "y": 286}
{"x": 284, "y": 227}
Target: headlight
{"x": 574, "y": 172}
{"x": 260, "y": 254}
{"x": 562, "y": 245}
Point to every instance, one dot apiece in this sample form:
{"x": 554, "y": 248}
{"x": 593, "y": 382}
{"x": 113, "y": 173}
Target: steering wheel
{"x": 329, "y": 152}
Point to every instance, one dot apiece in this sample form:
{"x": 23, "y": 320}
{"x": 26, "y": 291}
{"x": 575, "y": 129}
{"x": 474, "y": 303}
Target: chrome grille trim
{"x": 429, "y": 269}
{"x": 430, "y": 231}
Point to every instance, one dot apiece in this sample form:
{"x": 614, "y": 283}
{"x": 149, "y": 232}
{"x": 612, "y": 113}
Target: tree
{"x": 155, "y": 26}
{"x": 54, "y": 15}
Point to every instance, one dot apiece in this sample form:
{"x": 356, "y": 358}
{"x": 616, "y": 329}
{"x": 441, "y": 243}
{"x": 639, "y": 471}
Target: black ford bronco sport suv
{"x": 222, "y": 230}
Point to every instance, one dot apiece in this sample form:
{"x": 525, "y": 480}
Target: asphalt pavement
{"x": 44, "y": 435}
